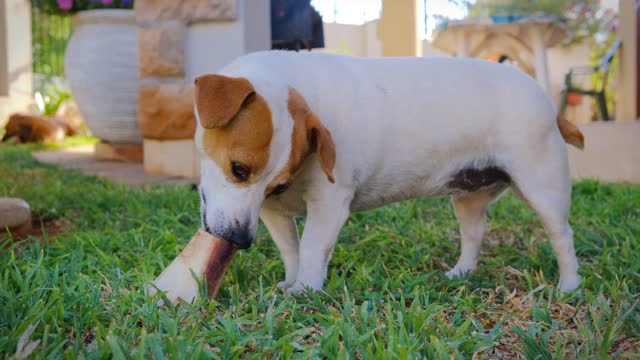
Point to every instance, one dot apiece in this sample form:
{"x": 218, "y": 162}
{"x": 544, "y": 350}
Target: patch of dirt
{"x": 48, "y": 226}
{"x": 41, "y": 228}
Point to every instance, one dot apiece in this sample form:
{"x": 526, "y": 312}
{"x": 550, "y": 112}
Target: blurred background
{"x": 122, "y": 70}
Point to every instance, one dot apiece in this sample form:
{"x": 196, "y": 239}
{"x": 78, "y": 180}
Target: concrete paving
{"x": 128, "y": 173}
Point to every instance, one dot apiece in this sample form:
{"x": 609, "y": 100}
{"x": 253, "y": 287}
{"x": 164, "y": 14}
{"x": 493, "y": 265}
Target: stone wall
{"x": 165, "y": 109}
{"x": 179, "y": 40}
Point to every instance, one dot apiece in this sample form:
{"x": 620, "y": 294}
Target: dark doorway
{"x": 295, "y": 25}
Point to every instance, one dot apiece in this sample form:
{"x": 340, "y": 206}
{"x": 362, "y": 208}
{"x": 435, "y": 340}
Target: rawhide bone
{"x": 205, "y": 255}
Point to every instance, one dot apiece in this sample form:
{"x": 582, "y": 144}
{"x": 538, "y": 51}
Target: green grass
{"x": 386, "y": 297}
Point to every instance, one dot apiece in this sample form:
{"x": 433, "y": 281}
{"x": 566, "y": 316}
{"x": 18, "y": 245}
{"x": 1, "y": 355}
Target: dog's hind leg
{"x": 284, "y": 233}
{"x": 547, "y": 190}
{"x": 470, "y": 210}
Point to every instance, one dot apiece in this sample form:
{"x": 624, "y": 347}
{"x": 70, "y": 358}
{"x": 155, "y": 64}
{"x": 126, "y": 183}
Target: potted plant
{"x": 101, "y": 65}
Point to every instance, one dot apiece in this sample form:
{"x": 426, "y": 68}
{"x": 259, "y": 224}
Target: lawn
{"x": 80, "y": 294}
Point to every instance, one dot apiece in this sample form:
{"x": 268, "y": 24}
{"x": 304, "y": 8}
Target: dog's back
{"x": 395, "y": 94}
{"x": 423, "y": 114}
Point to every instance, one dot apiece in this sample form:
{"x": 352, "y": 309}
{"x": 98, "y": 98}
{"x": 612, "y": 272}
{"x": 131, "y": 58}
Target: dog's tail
{"x": 570, "y": 133}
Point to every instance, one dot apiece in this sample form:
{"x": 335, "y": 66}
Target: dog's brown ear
{"x": 321, "y": 141}
{"x": 318, "y": 138}
{"x": 219, "y": 98}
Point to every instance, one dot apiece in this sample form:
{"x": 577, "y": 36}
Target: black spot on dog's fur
{"x": 472, "y": 179}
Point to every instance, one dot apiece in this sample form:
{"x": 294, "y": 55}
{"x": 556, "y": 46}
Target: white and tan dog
{"x": 287, "y": 134}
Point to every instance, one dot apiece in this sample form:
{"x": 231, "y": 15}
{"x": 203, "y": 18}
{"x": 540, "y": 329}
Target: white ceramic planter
{"x": 101, "y": 66}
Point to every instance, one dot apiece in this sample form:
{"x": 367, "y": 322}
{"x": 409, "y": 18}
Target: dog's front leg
{"x": 325, "y": 217}
{"x": 284, "y": 233}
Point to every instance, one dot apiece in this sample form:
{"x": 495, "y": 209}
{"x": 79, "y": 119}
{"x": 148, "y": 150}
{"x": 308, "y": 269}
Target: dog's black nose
{"x": 240, "y": 237}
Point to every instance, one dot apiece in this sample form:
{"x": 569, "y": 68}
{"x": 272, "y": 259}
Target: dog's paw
{"x": 284, "y": 285}
{"x": 298, "y": 288}
{"x": 570, "y": 283}
{"x": 458, "y": 272}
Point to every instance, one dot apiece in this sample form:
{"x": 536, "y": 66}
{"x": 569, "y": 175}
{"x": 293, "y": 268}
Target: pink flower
{"x": 107, "y": 2}
{"x": 65, "y": 4}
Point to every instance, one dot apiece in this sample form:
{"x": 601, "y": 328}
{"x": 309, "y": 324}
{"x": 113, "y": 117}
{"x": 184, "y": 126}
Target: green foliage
{"x": 54, "y": 92}
{"x": 527, "y": 7}
{"x": 597, "y": 78}
{"x": 67, "y": 7}
{"x": 385, "y": 298}
{"x": 51, "y": 30}
{"x": 50, "y": 34}
{"x": 51, "y": 106}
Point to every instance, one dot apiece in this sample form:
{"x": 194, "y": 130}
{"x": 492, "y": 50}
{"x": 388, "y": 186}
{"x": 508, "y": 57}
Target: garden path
{"x": 128, "y": 173}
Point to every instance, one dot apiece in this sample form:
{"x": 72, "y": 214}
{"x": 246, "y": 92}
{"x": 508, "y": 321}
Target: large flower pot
{"x": 101, "y": 66}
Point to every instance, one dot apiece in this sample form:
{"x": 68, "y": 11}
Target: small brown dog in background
{"x": 23, "y": 128}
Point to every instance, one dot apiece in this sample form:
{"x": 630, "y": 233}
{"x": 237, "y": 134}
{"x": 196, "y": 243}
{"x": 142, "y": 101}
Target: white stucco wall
{"x": 15, "y": 43}
{"x": 344, "y": 39}
{"x": 354, "y": 40}
{"x": 373, "y": 45}
{"x": 212, "y": 45}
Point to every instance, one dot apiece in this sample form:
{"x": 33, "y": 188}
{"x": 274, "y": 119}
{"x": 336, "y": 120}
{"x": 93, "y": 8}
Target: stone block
{"x": 118, "y": 152}
{"x": 15, "y": 216}
{"x": 171, "y": 157}
{"x": 161, "y": 50}
{"x": 187, "y": 11}
{"x": 165, "y": 111}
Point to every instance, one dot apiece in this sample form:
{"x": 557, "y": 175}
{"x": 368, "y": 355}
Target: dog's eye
{"x": 240, "y": 171}
{"x": 280, "y": 189}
